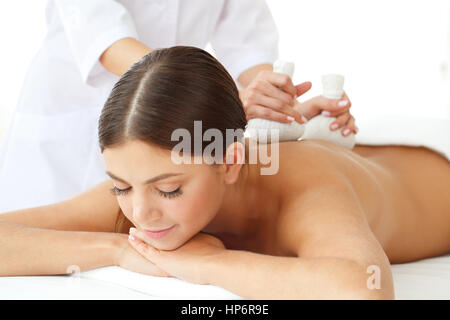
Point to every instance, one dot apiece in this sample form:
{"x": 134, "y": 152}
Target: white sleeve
{"x": 91, "y": 27}
{"x": 245, "y": 36}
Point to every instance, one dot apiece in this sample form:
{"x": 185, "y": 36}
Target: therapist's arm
{"x": 248, "y": 75}
{"x": 121, "y": 55}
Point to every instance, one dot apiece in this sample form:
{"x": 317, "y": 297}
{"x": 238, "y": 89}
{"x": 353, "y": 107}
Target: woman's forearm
{"x": 32, "y": 251}
{"x": 256, "y": 276}
{"x": 121, "y": 55}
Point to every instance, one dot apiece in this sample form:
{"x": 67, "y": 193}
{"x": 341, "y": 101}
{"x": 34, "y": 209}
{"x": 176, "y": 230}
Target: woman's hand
{"x": 188, "y": 262}
{"x": 128, "y": 258}
{"x": 339, "y": 109}
{"x": 272, "y": 96}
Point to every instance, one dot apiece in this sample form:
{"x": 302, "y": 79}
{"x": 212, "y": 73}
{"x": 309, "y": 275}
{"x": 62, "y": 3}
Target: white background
{"x": 393, "y": 53}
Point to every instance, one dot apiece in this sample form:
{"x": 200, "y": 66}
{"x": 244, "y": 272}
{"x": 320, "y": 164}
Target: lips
{"x": 159, "y": 233}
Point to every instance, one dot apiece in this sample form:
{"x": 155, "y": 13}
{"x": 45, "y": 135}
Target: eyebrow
{"x": 154, "y": 179}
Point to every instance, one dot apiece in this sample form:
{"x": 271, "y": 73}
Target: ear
{"x": 234, "y": 159}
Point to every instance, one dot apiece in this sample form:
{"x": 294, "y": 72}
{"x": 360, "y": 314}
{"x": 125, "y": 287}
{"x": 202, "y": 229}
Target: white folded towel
{"x": 162, "y": 287}
{"x": 432, "y": 133}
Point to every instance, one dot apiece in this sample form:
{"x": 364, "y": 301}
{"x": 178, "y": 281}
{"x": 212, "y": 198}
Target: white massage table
{"x": 425, "y": 279}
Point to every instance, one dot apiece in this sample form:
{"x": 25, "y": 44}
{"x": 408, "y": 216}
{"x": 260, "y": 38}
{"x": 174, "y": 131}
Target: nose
{"x": 144, "y": 213}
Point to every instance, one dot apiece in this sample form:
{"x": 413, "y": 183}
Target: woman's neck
{"x": 242, "y": 211}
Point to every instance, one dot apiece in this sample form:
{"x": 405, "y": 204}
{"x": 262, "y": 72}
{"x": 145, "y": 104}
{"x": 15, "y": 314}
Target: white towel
{"x": 162, "y": 287}
{"x": 426, "y": 132}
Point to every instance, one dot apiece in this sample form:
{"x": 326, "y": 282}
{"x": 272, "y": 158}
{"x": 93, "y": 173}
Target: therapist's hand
{"x": 272, "y": 96}
{"x": 340, "y": 109}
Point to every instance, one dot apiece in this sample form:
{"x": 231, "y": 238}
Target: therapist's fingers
{"x": 350, "y": 127}
{"x": 278, "y": 107}
{"x": 340, "y": 121}
{"x": 282, "y": 81}
{"x": 303, "y": 88}
{"x": 334, "y": 107}
{"x": 258, "y": 111}
{"x": 345, "y": 98}
{"x": 253, "y": 99}
{"x": 265, "y": 88}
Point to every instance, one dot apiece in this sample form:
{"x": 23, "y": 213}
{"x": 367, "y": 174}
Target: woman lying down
{"x": 327, "y": 225}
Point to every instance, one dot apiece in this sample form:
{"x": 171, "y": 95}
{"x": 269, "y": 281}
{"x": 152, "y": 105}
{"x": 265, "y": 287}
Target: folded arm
{"x": 47, "y": 240}
{"x": 258, "y": 276}
{"x": 33, "y": 251}
{"x": 337, "y": 254}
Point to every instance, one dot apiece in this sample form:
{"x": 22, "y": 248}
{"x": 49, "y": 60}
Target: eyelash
{"x": 121, "y": 192}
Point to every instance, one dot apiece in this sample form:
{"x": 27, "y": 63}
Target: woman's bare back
{"x": 418, "y": 200}
{"x": 401, "y": 189}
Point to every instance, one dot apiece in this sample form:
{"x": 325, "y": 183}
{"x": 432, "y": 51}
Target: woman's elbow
{"x": 360, "y": 283}
{"x": 368, "y": 288}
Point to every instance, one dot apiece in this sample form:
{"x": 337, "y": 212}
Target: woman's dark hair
{"x": 169, "y": 89}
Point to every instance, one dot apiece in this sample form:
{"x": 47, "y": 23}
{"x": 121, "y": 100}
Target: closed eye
{"x": 120, "y": 192}
{"x": 171, "y": 194}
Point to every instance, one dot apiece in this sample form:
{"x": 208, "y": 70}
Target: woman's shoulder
{"x": 308, "y": 162}
{"x": 312, "y": 169}
{"x": 310, "y": 150}
{"x": 315, "y": 188}
{"x": 319, "y": 162}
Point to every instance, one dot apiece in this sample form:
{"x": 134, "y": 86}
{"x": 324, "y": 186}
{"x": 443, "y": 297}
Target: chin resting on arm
{"x": 337, "y": 255}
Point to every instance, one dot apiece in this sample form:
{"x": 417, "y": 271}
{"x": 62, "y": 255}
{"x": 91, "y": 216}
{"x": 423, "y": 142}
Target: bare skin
{"x": 327, "y": 208}
{"x": 401, "y": 190}
{"x": 327, "y": 205}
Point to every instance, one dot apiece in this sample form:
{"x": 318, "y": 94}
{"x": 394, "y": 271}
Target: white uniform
{"x": 51, "y": 150}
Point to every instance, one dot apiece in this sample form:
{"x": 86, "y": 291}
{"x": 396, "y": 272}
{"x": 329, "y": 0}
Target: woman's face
{"x": 185, "y": 197}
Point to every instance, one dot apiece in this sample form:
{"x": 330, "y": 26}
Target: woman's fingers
{"x": 135, "y": 234}
{"x": 137, "y": 240}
